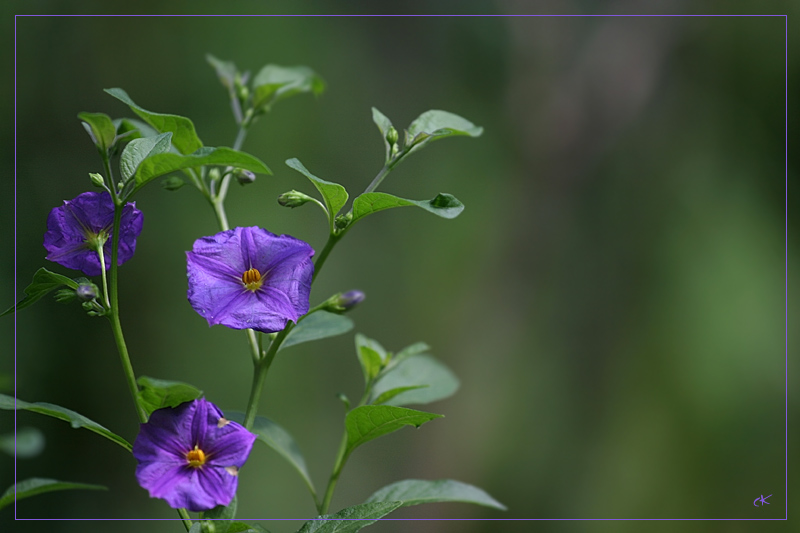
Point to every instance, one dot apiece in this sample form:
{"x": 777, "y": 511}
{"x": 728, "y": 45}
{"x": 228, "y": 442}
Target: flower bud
{"x": 293, "y": 199}
{"x": 343, "y": 302}
{"x": 392, "y": 136}
{"x": 243, "y": 176}
{"x": 351, "y": 299}
{"x": 97, "y": 179}
{"x": 342, "y": 221}
{"x": 86, "y": 291}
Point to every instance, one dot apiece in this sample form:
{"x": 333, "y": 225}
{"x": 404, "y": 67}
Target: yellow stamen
{"x": 252, "y": 279}
{"x": 196, "y": 458}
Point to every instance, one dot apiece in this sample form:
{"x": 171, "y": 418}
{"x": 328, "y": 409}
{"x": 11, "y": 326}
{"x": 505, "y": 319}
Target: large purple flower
{"x": 250, "y": 278}
{"x": 75, "y": 229}
{"x": 190, "y": 455}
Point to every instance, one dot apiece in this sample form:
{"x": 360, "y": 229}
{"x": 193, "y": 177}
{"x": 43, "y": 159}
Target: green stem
{"x": 219, "y": 210}
{"x": 332, "y": 240}
{"x": 341, "y": 459}
{"x": 187, "y": 520}
{"x": 101, "y": 255}
{"x": 260, "y": 374}
{"x": 379, "y": 178}
{"x": 116, "y": 325}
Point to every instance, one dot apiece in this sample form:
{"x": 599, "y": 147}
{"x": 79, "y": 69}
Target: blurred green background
{"x": 612, "y": 297}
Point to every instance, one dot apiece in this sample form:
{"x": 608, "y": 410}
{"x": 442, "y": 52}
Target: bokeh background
{"x": 612, "y": 298}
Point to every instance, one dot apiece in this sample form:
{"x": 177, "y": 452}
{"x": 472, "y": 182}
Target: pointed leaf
{"x": 384, "y": 125}
{"x": 417, "y": 370}
{"x": 414, "y": 349}
{"x": 35, "y": 485}
{"x": 444, "y": 205}
{"x": 161, "y": 164}
{"x": 139, "y": 149}
{"x": 318, "y": 325}
{"x": 136, "y": 129}
{"x": 222, "y": 515}
{"x": 226, "y": 70}
{"x": 279, "y": 440}
{"x": 334, "y": 195}
{"x": 369, "y": 422}
{"x": 371, "y": 355}
{"x": 184, "y": 137}
{"x": 43, "y": 282}
{"x": 363, "y": 340}
{"x": 102, "y": 129}
{"x": 159, "y": 393}
{"x": 274, "y": 83}
{"x": 436, "y": 124}
{"x": 75, "y": 420}
{"x": 351, "y": 519}
{"x": 416, "y": 491}
{"x": 384, "y": 397}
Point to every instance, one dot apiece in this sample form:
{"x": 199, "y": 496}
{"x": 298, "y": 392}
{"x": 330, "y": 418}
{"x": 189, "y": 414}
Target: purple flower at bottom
{"x": 250, "y": 278}
{"x": 75, "y": 229}
{"x": 190, "y": 455}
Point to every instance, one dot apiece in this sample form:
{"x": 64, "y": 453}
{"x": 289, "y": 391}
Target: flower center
{"x": 196, "y": 458}
{"x": 252, "y": 279}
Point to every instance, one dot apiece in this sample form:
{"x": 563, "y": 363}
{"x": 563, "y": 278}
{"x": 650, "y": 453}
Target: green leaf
{"x": 444, "y": 205}
{"x": 244, "y": 527}
{"x": 161, "y": 164}
{"x": 137, "y": 128}
{"x": 350, "y": 519}
{"x": 28, "y": 442}
{"x": 159, "y": 393}
{"x": 369, "y": 422}
{"x": 317, "y": 325}
{"x": 139, "y": 149}
{"x": 101, "y": 129}
{"x": 416, "y": 491}
{"x": 35, "y": 485}
{"x": 279, "y": 440}
{"x": 384, "y": 397}
{"x": 184, "y": 137}
{"x": 334, "y": 195}
{"x": 226, "y": 70}
{"x": 417, "y": 370}
{"x": 414, "y": 349}
{"x": 371, "y": 355}
{"x": 43, "y": 282}
{"x": 435, "y": 124}
{"x": 384, "y": 125}
{"x": 274, "y": 83}
{"x": 75, "y": 420}
{"x": 222, "y": 516}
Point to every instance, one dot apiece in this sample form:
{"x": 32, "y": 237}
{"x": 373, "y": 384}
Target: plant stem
{"x": 187, "y": 521}
{"x": 260, "y": 374}
{"x": 332, "y": 240}
{"x": 341, "y": 459}
{"x": 116, "y": 325}
{"x": 378, "y": 179}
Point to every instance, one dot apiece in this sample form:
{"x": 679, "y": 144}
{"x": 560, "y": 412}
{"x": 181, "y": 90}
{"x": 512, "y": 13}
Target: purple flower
{"x": 75, "y": 229}
{"x": 250, "y": 278}
{"x": 190, "y": 455}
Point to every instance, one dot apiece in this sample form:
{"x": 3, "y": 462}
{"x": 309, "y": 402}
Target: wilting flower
{"x": 190, "y": 455}
{"x": 77, "y": 228}
{"x": 250, "y": 278}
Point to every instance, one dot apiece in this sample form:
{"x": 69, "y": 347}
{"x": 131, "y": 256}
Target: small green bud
{"x": 97, "y": 180}
{"x": 244, "y": 177}
{"x": 343, "y": 302}
{"x": 342, "y": 221}
{"x": 87, "y": 291}
{"x": 214, "y": 174}
{"x": 392, "y": 136}
{"x": 173, "y": 183}
{"x": 293, "y": 199}
{"x": 64, "y": 296}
